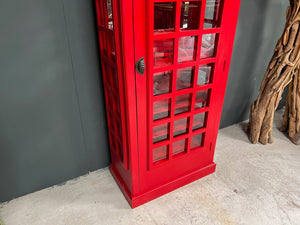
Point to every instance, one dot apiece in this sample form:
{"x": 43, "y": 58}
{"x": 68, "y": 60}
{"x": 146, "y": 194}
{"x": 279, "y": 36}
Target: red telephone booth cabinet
{"x": 165, "y": 66}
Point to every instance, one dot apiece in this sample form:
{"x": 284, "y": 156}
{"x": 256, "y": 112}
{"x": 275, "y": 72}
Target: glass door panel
{"x": 184, "y": 54}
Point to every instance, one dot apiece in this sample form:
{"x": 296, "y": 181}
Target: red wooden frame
{"x": 145, "y": 169}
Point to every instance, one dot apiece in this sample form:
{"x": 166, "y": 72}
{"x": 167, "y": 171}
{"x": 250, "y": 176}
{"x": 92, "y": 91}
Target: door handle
{"x": 140, "y": 66}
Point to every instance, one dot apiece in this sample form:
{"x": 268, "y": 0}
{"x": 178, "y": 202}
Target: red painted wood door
{"x": 187, "y": 47}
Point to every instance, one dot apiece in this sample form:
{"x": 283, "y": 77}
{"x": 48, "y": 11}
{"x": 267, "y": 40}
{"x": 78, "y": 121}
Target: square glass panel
{"x": 204, "y": 74}
{"x": 180, "y": 146}
{"x": 164, "y": 16}
{"x": 183, "y": 103}
{"x": 161, "y": 109}
{"x": 197, "y": 141}
{"x": 187, "y": 48}
{"x": 208, "y": 46}
{"x": 108, "y": 9}
{"x": 201, "y": 99}
{"x": 160, "y": 153}
{"x": 212, "y": 14}
{"x": 163, "y": 51}
{"x": 162, "y": 83}
{"x": 190, "y": 15}
{"x": 184, "y": 78}
{"x": 181, "y": 126}
{"x": 199, "y": 121}
{"x": 161, "y": 132}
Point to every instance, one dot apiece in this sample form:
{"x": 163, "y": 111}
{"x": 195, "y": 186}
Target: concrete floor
{"x": 253, "y": 184}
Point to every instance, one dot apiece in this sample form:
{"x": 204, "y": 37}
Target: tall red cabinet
{"x": 165, "y": 66}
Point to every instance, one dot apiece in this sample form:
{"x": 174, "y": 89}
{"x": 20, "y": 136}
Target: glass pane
{"x": 163, "y": 52}
{"x": 208, "y": 46}
{"x": 110, "y": 23}
{"x": 201, "y": 99}
{"x": 161, "y": 133}
{"x": 187, "y": 48}
{"x": 180, "y": 146}
{"x": 161, "y": 109}
{"x": 184, "y": 78}
{"x": 181, "y": 127}
{"x": 197, "y": 141}
{"x": 182, "y": 103}
{"x": 199, "y": 121}
{"x": 212, "y": 14}
{"x": 162, "y": 83}
{"x": 160, "y": 153}
{"x": 190, "y": 15}
{"x": 164, "y": 16}
{"x": 204, "y": 74}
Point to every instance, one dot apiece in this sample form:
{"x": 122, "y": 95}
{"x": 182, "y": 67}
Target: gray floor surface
{"x": 253, "y": 184}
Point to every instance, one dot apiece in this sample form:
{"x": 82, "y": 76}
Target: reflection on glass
{"x": 160, "y": 133}
{"x": 163, "y": 52}
{"x": 198, "y": 121}
{"x": 196, "y": 141}
{"x": 201, "y": 99}
{"x": 204, "y": 74}
{"x": 184, "y": 78}
{"x": 162, "y": 83}
{"x": 179, "y": 146}
{"x": 180, "y": 127}
{"x": 110, "y": 23}
{"x": 212, "y": 14}
{"x": 182, "y": 103}
{"x": 161, "y": 109}
{"x": 187, "y": 48}
{"x": 208, "y": 45}
{"x": 164, "y": 16}
{"x": 160, "y": 153}
{"x": 190, "y": 15}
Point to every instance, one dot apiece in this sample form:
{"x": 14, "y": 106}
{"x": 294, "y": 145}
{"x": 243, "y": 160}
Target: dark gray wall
{"x": 260, "y": 24}
{"x": 52, "y": 115}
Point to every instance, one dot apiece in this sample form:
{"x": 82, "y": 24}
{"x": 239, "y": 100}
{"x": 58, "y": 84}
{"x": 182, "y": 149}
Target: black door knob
{"x": 140, "y": 66}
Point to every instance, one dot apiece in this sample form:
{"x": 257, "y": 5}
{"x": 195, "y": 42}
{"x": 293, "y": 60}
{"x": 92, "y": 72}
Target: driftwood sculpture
{"x": 283, "y": 70}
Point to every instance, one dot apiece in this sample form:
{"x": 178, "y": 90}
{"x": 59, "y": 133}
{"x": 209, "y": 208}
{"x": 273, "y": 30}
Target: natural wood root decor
{"x": 283, "y": 70}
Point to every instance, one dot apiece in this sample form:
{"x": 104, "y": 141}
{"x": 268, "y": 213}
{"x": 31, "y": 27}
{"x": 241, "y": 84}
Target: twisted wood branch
{"x": 282, "y": 70}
